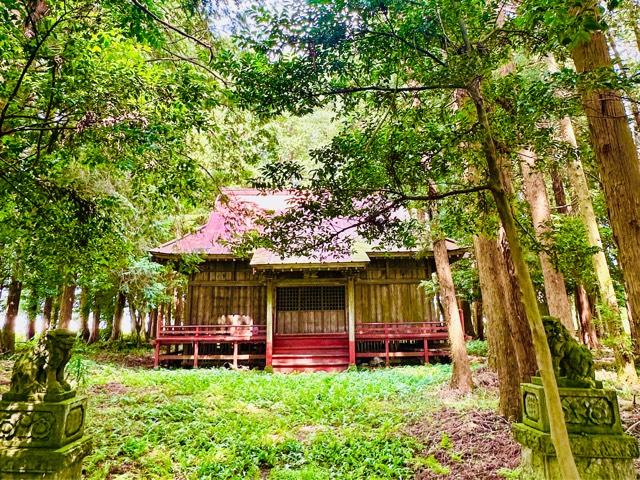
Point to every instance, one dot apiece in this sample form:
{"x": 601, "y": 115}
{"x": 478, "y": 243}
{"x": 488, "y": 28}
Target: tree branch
{"x": 172, "y": 27}
{"x": 375, "y": 88}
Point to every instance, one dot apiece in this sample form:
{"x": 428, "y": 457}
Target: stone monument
{"x": 600, "y": 447}
{"x": 41, "y": 418}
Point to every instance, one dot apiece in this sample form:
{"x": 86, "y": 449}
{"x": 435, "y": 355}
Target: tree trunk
{"x": 94, "y": 336}
{"x": 617, "y": 161}
{"x": 118, "y": 313}
{"x": 46, "y": 313}
{"x": 465, "y": 313}
{"x": 11, "y": 313}
{"x": 66, "y": 306}
{"x": 536, "y": 195}
{"x": 153, "y": 323}
{"x": 85, "y": 311}
{"x": 501, "y": 339}
{"x": 517, "y": 317}
{"x": 583, "y": 306}
{"x": 461, "y": 375}
{"x": 479, "y": 321}
{"x": 559, "y": 435}
{"x": 179, "y": 301}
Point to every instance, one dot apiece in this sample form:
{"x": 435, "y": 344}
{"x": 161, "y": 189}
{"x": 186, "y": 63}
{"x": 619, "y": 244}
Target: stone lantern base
{"x": 42, "y": 439}
{"x": 602, "y": 451}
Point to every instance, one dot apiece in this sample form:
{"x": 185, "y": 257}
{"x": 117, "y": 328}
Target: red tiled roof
{"x": 236, "y": 212}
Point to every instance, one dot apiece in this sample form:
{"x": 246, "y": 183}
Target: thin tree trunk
{"x": 85, "y": 312}
{"x": 559, "y": 435}
{"x": 583, "y": 302}
{"x": 461, "y": 375}
{"x": 479, "y": 321}
{"x": 517, "y": 317}
{"x": 465, "y": 309}
{"x": 618, "y": 165}
{"x": 118, "y": 313}
{"x": 95, "y": 324}
{"x": 46, "y": 313}
{"x": 153, "y": 323}
{"x": 11, "y": 313}
{"x": 536, "y": 195}
{"x": 500, "y": 337}
{"x": 583, "y": 307}
{"x": 66, "y": 306}
{"x": 179, "y": 302}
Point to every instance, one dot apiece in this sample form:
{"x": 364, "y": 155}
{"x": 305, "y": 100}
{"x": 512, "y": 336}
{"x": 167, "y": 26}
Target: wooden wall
{"x": 388, "y": 292}
{"x": 224, "y": 288}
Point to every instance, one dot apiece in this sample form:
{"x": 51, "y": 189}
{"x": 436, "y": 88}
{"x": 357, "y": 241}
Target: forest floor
{"x": 387, "y": 423}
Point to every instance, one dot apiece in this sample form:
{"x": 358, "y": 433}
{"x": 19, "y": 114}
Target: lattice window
{"x": 310, "y": 298}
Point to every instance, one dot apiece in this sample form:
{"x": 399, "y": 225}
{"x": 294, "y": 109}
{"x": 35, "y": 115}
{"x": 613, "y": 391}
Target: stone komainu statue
{"x": 40, "y": 373}
{"x": 572, "y": 362}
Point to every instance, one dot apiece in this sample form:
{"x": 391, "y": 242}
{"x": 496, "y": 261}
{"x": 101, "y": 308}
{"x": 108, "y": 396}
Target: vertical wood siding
{"x": 386, "y": 291}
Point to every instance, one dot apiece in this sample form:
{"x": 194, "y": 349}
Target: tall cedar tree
{"x": 376, "y": 58}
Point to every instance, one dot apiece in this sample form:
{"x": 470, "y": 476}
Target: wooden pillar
{"x": 235, "y": 355}
{"x": 426, "y": 351}
{"x": 351, "y": 319}
{"x": 269, "y": 348}
{"x": 196, "y": 345}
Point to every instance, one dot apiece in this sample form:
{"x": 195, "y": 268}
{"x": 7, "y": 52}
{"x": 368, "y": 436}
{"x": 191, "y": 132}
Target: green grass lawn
{"x": 222, "y": 424}
{"x": 225, "y": 424}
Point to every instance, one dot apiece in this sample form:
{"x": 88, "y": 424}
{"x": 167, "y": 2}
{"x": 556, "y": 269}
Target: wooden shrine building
{"x": 296, "y": 314}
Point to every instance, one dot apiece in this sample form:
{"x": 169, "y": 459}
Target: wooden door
{"x": 311, "y": 309}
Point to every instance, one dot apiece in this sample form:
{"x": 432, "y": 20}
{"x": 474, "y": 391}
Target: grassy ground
{"x": 223, "y": 424}
{"x": 397, "y": 423}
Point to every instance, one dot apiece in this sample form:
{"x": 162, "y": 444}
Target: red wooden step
{"x": 319, "y": 368}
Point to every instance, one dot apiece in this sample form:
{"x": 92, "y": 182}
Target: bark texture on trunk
{"x": 118, "y": 313}
{"x": 179, "y": 302}
{"x": 536, "y": 195}
{"x": 11, "y": 313}
{"x": 495, "y": 167}
{"x": 153, "y": 322}
{"x": 517, "y": 318}
{"x": 617, "y": 161}
{"x": 461, "y": 374}
{"x": 66, "y": 305}
{"x": 587, "y": 330}
{"x": 500, "y": 337}
{"x": 465, "y": 308}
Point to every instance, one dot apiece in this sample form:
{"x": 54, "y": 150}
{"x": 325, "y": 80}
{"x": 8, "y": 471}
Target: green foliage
{"x": 570, "y": 251}
{"x": 465, "y": 279}
{"x": 432, "y": 463}
{"x": 226, "y": 424}
{"x": 478, "y": 348}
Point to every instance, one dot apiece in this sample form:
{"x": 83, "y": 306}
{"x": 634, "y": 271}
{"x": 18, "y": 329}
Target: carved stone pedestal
{"x": 600, "y": 448}
{"x": 43, "y": 439}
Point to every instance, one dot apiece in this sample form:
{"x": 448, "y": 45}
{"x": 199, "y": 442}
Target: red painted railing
{"x": 205, "y": 332}
{"x": 435, "y": 330}
{"x": 376, "y": 339}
